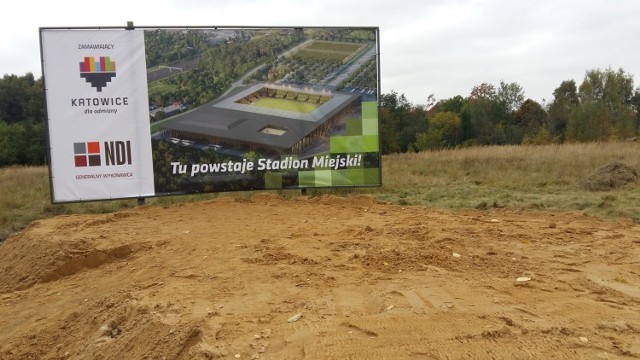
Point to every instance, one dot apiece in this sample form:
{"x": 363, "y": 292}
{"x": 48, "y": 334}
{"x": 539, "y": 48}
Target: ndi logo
{"x": 89, "y": 153}
{"x": 98, "y": 72}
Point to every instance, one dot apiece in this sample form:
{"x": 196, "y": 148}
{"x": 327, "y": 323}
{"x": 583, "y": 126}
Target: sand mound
{"x": 320, "y": 278}
{"x": 611, "y": 176}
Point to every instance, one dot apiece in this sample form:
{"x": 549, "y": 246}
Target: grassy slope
{"x": 522, "y": 177}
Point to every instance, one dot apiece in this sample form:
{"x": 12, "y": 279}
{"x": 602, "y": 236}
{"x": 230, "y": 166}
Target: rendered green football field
{"x": 286, "y": 105}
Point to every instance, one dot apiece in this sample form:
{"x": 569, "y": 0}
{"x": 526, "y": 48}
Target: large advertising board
{"x": 145, "y": 112}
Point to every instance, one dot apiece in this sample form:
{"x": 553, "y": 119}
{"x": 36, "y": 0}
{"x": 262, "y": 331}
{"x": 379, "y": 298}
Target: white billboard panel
{"x": 97, "y": 106}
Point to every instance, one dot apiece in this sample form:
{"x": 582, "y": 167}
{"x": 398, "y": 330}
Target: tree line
{"x": 22, "y": 126}
{"x": 604, "y": 107}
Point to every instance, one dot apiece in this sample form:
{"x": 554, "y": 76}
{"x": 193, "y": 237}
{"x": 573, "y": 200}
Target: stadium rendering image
{"x": 269, "y": 118}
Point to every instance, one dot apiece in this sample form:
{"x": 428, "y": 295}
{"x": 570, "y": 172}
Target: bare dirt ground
{"x": 320, "y": 278}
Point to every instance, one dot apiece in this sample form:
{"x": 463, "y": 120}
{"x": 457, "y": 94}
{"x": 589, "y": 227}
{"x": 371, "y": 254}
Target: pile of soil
{"x": 611, "y": 176}
{"x": 320, "y": 278}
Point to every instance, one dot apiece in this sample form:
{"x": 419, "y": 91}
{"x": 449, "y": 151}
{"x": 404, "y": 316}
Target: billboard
{"x": 145, "y": 112}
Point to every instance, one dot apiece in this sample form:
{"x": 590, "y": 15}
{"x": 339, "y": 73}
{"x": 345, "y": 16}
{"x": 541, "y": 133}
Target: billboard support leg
{"x": 303, "y": 191}
{"x": 140, "y": 201}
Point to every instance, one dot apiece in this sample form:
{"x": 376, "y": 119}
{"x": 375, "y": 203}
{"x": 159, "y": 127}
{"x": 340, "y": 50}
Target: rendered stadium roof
{"x": 226, "y": 118}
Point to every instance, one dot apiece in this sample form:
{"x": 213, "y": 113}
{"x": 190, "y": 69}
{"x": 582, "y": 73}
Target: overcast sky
{"x": 427, "y": 46}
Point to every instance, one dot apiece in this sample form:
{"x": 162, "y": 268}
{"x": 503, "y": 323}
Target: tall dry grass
{"x": 509, "y": 166}
{"x": 23, "y": 197}
{"x": 542, "y": 177}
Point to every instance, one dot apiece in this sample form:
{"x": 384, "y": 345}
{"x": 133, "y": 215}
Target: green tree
{"x": 613, "y": 88}
{"x": 510, "y": 96}
{"x": 445, "y": 131}
{"x": 635, "y": 103}
{"x": 606, "y": 109}
{"x": 9, "y": 152}
{"x": 565, "y": 99}
{"x": 543, "y": 137}
{"x": 589, "y": 121}
{"x": 454, "y": 104}
{"x": 528, "y": 120}
{"x": 22, "y": 143}
{"x": 21, "y": 99}
{"x": 484, "y": 116}
{"x": 400, "y": 123}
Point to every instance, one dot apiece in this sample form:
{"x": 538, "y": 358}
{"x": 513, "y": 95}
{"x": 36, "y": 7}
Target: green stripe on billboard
{"x": 354, "y": 127}
{"x": 370, "y": 127}
{"x": 342, "y": 177}
{"x": 369, "y": 110}
{"x": 369, "y": 118}
{"x": 354, "y": 144}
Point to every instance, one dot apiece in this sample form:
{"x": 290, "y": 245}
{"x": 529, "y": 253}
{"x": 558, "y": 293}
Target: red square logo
{"x": 80, "y": 160}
